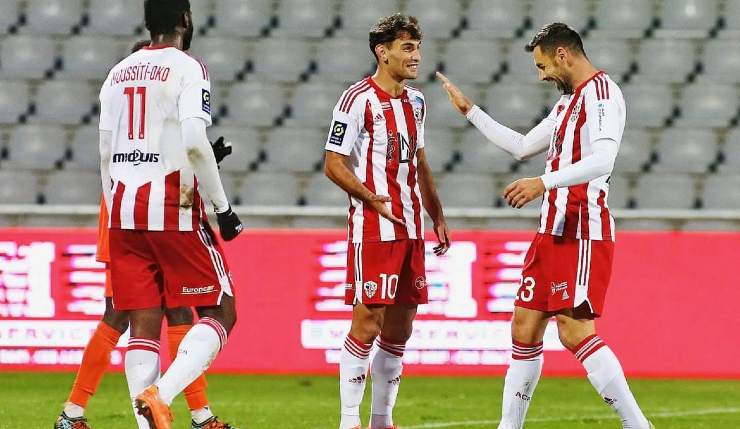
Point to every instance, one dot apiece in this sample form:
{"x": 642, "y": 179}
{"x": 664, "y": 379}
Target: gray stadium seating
{"x": 494, "y": 18}
{"x": 73, "y": 187}
{"x": 63, "y": 102}
{"x": 224, "y": 56}
{"x": 660, "y": 191}
{"x": 573, "y": 12}
{"x": 359, "y": 15}
{"x": 472, "y": 61}
{"x": 296, "y": 150}
{"x": 466, "y": 190}
{"x": 721, "y": 60}
{"x": 708, "y": 105}
{"x": 478, "y": 155}
{"x": 255, "y": 104}
{"x": 344, "y": 60}
{"x": 280, "y": 60}
{"x": 622, "y": 19}
{"x": 246, "y": 147}
{"x": 113, "y": 17}
{"x": 36, "y": 147}
{"x": 515, "y": 105}
{"x": 649, "y": 104}
{"x": 308, "y": 18}
{"x": 242, "y": 18}
{"x": 437, "y": 17}
{"x": 277, "y": 189}
{"x": 12, "y": 193}
{"x": 666, "y": 60}
{"x": 721, "y": 192}
{"x": 90, "y": 57}
{"x": 686, "y": 150}
{"x": 52, "y": 16}
{"x": 26, "y": 57}
{"x": 687, "y": 18}
{"x": 14, "y": 99}
{"x": 312, "y": 104}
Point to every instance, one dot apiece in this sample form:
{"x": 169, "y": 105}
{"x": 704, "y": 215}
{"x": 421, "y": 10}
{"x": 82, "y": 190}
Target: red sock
{"x": 195, "y": 393}
{"x": 95, "y": 361}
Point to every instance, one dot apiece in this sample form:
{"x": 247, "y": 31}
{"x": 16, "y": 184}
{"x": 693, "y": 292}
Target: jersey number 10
{"x": 130, "y": 92}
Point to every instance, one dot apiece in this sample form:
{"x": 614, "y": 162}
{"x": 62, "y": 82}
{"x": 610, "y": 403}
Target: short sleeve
{"x": 604, "y": 116}
{"x": 106, "y": 115}
{"x": 195, "y": 97}
{"x": 346, "y": 126}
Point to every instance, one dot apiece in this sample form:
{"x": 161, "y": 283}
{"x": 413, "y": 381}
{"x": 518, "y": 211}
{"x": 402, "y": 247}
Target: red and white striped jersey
{"x": 142, "y": 103}
{"x": 596, "y": 110}
{"x": 381, "y": 135}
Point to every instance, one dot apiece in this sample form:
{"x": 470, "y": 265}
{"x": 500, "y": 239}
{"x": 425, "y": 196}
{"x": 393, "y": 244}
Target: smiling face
{"x": 401, "y": 57}
{"x": 554, "y": 68}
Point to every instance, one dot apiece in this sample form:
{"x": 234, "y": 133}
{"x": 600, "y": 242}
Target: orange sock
{"x": 195, "y": 393}
{"x": 95, "y": 361}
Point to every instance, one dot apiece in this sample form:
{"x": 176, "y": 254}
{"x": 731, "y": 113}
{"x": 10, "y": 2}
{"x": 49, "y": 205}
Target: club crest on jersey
{"x": 338, "y": 130}
{"x": 370, "y": 287}
{"x": 206, "y": 97}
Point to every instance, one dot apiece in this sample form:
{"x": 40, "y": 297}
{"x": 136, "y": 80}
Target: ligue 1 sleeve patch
{"x": 338, "y": 130}
{"x": 206, "y": 98}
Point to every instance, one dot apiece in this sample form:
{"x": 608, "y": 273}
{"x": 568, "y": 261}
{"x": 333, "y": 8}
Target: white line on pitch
{"x": 687, "y": 413}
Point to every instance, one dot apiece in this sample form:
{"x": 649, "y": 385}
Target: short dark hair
{"x": 162, "y": 16}
{"x": 391, "y": 27}
{"x": 554, "y": 35}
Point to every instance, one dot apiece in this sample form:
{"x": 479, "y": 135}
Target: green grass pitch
{"x": 33, "y": 401}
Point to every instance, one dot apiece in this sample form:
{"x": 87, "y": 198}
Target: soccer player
{"x": 567, "y": 268}
{"x": 96, "y": 356}
{"x": 375, "y": 152}
{"x": 155, "y": 163}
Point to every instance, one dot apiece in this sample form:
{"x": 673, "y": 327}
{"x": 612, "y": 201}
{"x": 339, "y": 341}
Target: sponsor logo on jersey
{"x": 370, "y": 287}
{"x": 420, "y": 283}
{"x": 199, "y": 290}
{"x": 206, "y": 96}
{"x": 338, "y": 130}
{"x": 135, "y": 157}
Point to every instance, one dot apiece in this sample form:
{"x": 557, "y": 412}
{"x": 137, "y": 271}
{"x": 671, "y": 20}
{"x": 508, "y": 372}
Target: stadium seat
{"x": 224, "y": 56}
{"x": 649, "y": 105}
{"x": 246, "y": 146}
{"x": 9, "y": 14}
{"x": 90, "y": 57}
{"x": 622, "y": 19}
{"x": 619, "y": 192}
{"x": 665, "y": 60}
{"x": 472, "y": 61}
{"x": 14, "y": 99}
{"x": 515, "y": 105}
{"x": 85, "y": 149}
{"x": 242, "y": 18}
{"x": 273, "y": 189}
{"x": 52, "y": 16}
{"x": 312, "y": 104}
{"x": 686, "y": 150}
{"x": 26, "y": 57}
{"x": 494, "y": 18}
{"x": 437, "y": 18}
{"x": 573, "y": 12}
{"x": 634, "y": 151}
{"x": 687, "y": 18}
{"x": 665, "y": 191}
{"x": 614, "y": 56}
{"x": 466, "y": 190}
{"x": 721, "y": 192}
{"x": 36, "y": 147}
{"x": 113, "y": 17}
{"x": 708, "y": 105}
{"x": 307, "y": 18}
{"x": 63, "y": 102}
{"x": 12, "y": 193}
{"x": 440, "y": 112}
{"x": 255, "y": 104}
{"x": 720, "y": 61}
{"x": 320, "y": 191}
{"x": 439, "y": 147}
{"x": 478, "y": 155}
{"x": 73, "y": 187}
{"x": 344, "y": 60}
{"x": 358, "y": 16}
{"x": 731, "y": 17}
{"x": 297, "y": 150}
{"x": 280, "y": 60}
{"x": 731, "y": 152}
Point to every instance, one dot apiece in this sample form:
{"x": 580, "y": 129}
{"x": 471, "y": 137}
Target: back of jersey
{"x": 142, "y": 103}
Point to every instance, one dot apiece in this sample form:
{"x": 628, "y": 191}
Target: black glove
{"x": 229, "y": 224}
{"x": 220, "y": 149}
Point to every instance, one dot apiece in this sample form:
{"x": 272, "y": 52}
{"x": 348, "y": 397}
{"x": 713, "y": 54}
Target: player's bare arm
{"x": 431, "y": 202}
{"x": 335, "y": 168}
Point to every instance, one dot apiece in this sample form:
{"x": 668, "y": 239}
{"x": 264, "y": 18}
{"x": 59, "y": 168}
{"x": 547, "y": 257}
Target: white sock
{"x": 200, "y": 415}
{"x": 73, "y": 410}
{"x": 196, "y": 352}
{"x": 353, "y": 366}
{"x": 387, "y": 367}
{"x": 142, "y": 370}
{"x": 607, "y": 377}
{"x": 520, "y": 382}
